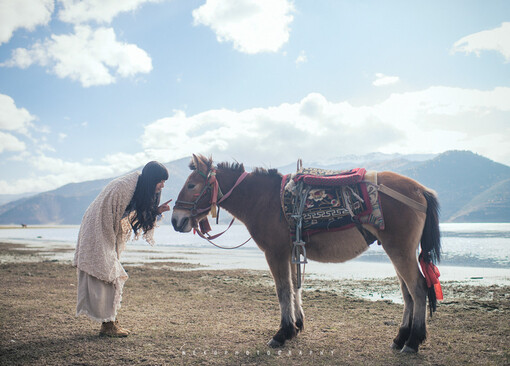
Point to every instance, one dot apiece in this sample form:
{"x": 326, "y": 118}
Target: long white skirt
{"x": 96, "y": 298}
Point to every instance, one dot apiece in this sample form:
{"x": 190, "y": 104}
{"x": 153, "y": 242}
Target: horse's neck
{"x": 245, "y": 200}
{"x": 227, "y": 179}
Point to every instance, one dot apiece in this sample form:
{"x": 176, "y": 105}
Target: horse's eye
{"x": 191, "y": 186}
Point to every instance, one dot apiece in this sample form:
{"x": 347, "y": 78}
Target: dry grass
{"x": 226, "y": 317}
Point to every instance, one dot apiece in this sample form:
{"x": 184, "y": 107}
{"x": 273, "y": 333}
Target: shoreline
{"x": 374, "y": 266}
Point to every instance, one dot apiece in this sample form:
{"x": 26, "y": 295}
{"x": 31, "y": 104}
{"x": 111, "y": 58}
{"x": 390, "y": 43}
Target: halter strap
{"x": 239, "y": 180}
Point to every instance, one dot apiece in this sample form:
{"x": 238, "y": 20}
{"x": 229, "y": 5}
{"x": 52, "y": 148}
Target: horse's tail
{"x": 431, "y": 245}
{"x": 431, "y": 238}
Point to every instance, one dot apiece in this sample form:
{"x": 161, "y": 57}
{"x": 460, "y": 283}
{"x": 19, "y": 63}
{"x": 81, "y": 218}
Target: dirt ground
{"x": 183, "y": 317}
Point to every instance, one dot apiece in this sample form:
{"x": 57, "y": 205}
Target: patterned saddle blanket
{"x": 331, "y": 200}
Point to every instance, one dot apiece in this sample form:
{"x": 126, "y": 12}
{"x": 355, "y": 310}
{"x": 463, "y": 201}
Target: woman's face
{"x": 160, "y": 186}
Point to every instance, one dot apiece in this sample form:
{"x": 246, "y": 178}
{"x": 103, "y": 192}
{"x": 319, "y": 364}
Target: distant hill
{"x": 471, "y": 188}
{"x": 492, "y": 205}
{"x": 458, "y": 177}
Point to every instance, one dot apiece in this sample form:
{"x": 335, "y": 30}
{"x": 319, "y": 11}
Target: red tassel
{"x": 439, "y": 291}
{"x": 431, "y": 273}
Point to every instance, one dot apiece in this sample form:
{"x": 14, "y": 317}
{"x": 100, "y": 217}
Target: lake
{"x": 472, "y": 253}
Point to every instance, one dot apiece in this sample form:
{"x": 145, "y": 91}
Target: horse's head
{"x": 194, "y": 200}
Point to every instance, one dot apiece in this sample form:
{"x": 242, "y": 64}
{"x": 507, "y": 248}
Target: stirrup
{"x": 296, "y": 253}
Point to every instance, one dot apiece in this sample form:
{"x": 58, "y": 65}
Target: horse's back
{"x": 405, "y": 185}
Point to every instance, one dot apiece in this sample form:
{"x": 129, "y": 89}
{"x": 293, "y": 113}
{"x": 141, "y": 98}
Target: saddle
{"x": 318, "y": 200}
{"x": 324, "y": 200}
{"x": 330, "y": 178}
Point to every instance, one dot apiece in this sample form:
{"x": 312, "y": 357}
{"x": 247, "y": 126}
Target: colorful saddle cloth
{"x": 333, "y": 200}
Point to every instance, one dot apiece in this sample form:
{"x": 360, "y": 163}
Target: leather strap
{"x": 402, "y": 198}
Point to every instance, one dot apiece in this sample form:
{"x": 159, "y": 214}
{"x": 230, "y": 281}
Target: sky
{"x": 94, "y": 88}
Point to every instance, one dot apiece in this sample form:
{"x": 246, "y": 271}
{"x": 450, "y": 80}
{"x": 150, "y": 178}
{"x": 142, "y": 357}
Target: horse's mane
{"x": 239, "y": 167}
{"x": 268, "y": 172}
{"x": 232, "y": 166}
{"x": 236, "y": 167}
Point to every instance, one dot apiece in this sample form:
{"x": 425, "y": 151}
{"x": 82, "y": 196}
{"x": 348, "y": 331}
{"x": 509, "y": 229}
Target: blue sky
{"x": 91, "y": 89}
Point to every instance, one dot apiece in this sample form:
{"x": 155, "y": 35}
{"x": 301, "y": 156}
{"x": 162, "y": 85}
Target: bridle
{"x": 192, "y": 206}
{"x": 217, "y": 197}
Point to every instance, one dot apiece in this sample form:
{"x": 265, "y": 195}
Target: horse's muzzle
{"x": 181, "y": 222}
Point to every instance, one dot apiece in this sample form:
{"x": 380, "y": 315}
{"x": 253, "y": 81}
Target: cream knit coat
{"x": 104, "y": 233}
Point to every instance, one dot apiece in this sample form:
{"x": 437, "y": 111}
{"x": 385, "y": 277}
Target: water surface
{"x": 472, "y": 253}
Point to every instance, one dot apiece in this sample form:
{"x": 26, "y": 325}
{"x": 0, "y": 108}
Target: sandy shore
{"x": 209, "y": 317}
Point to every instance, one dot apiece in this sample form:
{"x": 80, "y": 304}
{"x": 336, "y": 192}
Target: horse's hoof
{"x": 273, "y": 343}
{"x": 407, "y": 349}
{"x": 395, "y": 347}
{"x": 299, "y": 325}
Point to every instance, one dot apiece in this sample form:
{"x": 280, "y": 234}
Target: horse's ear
{"x": 194, "y": 163}
{"x": 201, "y": 164}
{"x": 198, "y": 164}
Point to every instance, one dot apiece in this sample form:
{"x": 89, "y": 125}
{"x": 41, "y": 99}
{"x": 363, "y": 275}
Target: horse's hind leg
{"x": 407, "y": 320}
{"x": 279, "y": 264}
{"x": 298, "y": 309}
{"x": 414, "y": 286}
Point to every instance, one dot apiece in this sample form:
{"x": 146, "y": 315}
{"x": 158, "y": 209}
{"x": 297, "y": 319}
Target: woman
{"x": 129, "y": 204}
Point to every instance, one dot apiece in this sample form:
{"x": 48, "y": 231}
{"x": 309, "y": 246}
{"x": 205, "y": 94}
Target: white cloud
{"x": 28, "y": 14}
{"x": 57, "y": 172}
{"x": 497, "y": 39}
{"x": 92, "y": 57}
{"x": 382, "y": 80}
{"x": 13, "y": 118}
{"x": 275, "y": 135}
{"x": 432, "y": 120}
{"x": 125, "y": 162}
{"x": 253, "y": 26}
{"x": 101, "y": 11}
{"x": 301, "y": 59}
{"x": 8, "y": 142}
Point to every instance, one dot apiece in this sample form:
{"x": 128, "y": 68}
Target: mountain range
{"x": 471, "y": 188}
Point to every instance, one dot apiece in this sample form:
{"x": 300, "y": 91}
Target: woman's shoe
{"x": 123, "y": 329}
{"x": 111, "y": 329}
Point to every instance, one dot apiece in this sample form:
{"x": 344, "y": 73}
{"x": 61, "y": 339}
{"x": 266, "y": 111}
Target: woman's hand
{"x": 164, "y": 207}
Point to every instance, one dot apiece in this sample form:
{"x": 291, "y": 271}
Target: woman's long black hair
{"x": 145, "y": 198}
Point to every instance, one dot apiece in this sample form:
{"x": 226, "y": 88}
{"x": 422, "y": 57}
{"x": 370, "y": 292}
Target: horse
{"x": 254, "y": 199}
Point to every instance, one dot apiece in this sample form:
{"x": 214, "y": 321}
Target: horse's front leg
{"x": 279, "y": 264}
